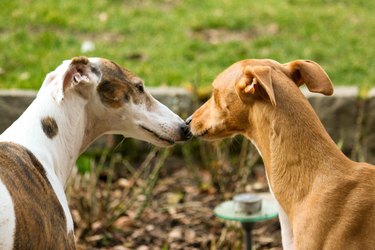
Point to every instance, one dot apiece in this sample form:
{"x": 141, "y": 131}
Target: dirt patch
{"x": 179, "y": 215}
{"x": 221, "y": 35}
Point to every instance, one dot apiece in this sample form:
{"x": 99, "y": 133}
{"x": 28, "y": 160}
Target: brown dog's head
{"x": 248, "y": 83}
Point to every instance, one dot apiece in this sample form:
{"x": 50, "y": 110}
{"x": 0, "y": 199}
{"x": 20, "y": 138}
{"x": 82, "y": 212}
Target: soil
{"x": 179, "y": 215}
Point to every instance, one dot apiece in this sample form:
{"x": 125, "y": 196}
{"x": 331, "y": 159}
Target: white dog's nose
{"x": 185, "y": 132}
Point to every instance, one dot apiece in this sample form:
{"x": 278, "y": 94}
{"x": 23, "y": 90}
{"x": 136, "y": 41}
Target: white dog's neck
{"x": 59, "y": 153}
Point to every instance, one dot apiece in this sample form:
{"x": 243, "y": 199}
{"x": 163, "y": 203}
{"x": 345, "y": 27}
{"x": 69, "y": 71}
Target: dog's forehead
{"x": 228, "y": 77}
{"x": 111, "y": 70}
{"x": 232, "y": 74}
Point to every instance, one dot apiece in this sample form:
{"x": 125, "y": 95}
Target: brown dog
{"x": 326, "y": 200}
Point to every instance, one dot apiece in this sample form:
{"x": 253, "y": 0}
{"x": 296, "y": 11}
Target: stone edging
{"x": 350, "y": 120}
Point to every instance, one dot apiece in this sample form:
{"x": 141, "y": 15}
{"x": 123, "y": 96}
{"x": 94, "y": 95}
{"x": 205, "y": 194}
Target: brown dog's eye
{"x": 140, "y": 88}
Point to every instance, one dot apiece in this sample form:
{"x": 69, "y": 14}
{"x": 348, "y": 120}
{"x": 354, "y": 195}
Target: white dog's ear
{"x": 77, "y": 74}
{"x": 256, "y": 81}
{"x": 310, "y": 73}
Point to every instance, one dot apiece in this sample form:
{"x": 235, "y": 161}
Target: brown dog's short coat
{"x": 326, "y": 200}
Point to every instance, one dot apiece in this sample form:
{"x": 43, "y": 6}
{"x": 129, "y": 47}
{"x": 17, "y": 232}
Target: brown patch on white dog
{"x": 119, "y": 86}
{"x": 49, "y": 127}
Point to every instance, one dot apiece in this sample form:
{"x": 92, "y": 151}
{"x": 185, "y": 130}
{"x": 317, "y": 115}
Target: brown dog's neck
{"x": 295, "y": 147}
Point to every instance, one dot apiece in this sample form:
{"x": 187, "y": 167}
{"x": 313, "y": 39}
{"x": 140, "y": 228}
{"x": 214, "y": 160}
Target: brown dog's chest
{"x": 40, "y": 219}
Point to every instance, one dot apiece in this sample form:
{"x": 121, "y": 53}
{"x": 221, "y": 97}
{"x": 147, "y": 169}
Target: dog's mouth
{"x": 202, "y": 133}
{"x": 207, "y": 135}
{"x": 157, "y": 136}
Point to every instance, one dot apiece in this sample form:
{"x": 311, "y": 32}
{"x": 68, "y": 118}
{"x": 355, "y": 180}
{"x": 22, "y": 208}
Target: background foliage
{"x": 176, "y": 42}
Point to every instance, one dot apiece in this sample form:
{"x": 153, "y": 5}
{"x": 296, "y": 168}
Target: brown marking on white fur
{"x": 49, "y": 127}
{"x": 119, "y": 85}
{"x": 40, "y": 219}
{"x": 329, "y": 199}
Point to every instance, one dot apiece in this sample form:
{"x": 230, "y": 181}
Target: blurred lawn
{"x": 182, "y": 42}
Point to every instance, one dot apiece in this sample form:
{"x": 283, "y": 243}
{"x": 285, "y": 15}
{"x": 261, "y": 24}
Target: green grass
{"x": 163, "y": 41}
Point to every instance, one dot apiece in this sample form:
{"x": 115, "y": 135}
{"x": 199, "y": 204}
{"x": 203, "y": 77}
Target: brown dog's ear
{"x": 253, "y": 80}
{"x": 310, "y": 73}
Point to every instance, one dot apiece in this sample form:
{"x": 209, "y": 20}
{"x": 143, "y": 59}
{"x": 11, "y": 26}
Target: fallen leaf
{"x": 122, "y": 222}
{"x": 174, "y": 198}
{"x": 94, "y": 238}
{"x": 176, "y": 233}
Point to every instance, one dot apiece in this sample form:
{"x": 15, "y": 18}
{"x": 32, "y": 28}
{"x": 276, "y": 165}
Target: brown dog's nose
{"x": 185, "y": 132}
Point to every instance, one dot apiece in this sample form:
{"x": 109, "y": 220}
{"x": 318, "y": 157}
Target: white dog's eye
{"x": 140, "y": 88}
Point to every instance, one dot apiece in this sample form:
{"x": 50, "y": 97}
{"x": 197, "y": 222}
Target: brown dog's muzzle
{"x": 196, "y": 128}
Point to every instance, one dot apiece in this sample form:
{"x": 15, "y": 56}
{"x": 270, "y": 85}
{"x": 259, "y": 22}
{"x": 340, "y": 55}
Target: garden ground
{"x": 135, "y": 196}
{"x": 177, "y": 213}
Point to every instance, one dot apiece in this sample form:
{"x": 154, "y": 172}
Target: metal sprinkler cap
{"x": 247, "y": 203}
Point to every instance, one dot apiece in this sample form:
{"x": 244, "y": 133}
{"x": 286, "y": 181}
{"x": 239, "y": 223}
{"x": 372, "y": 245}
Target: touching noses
{"x": 188, "y": 120}
{"x": 185, "y": 131}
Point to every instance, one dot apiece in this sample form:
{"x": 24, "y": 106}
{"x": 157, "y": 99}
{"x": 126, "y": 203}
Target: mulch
{"x": 179, "y": 215}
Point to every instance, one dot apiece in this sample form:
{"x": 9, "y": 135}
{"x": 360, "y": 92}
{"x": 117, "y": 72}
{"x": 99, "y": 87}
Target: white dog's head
{"x": 115, "y": 101}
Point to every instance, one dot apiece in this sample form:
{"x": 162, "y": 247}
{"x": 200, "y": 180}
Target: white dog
{"x": 81, "y": 100}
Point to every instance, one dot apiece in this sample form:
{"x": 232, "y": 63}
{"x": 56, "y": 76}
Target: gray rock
{"x": 177, "y": 99}
{"x": 338, "y": 114}
{"x": 12, "y": 104}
